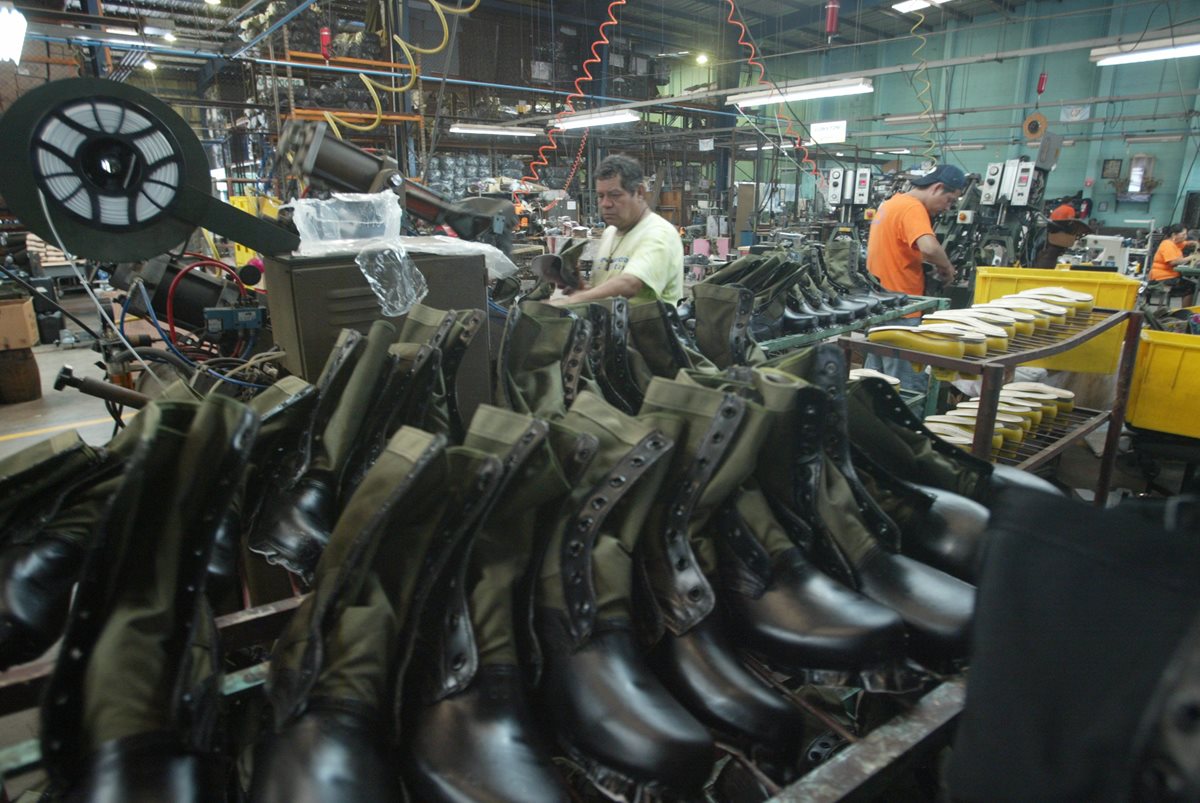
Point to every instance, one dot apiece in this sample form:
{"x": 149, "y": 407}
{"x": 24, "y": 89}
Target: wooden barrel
{"x": 20, "y": 380}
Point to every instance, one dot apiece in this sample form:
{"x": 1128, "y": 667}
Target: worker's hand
{"x": 944, "y": 273}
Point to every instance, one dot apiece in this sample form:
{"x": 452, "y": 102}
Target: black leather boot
{"x": 296, "y": 524}
{"x": 609, "y": 713}
{"x": 343, "y": 656}
{"x": 717, "y": 440}
{"x": 470, "y": 733}
{"x": 597, "y": 325}
{"x": 132, "y": 711}
{"x": 854, "y": 540}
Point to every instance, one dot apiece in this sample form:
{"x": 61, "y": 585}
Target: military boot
{"x": 718, "y": 436}
{"x": 542, "y": 363}
{"x": 937, "y": 527}
{"x": 773, "y": 316}
{"x": 723, "y": 324}
{"x": 853, "y": 539}
{"x": 334, "y": 670}
{"x": 618, "y": 367}
{"x": 885, "y": 429}
{"x": 451, "y": 333}
{"x": 778, "y": 603}
{"x": 471, "y": 735}
{"x": 132, "y": 710}
{"x": 48, "y": 506}
{"x": 610, "y": 715}
{"x": 596, "y": 322}
{"x": 297, "y": 524}
{"x": 658, "y": 345}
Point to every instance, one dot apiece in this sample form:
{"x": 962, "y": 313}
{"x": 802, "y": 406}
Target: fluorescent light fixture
{"x": 702, "y": 58}
{"x": 897, "y": 151}
{"x": 149, "y": 64}
{"x": 821, "y": 89}
{"x": 896, "y": 119}
{"x": 596, "y": 118}
{"x": 169, "y": 37}
{"x": 12, "y": 33}
{"x": 963, "y": 146}
{"x": 915, "y": 5}
{"x": 1156, "y": 138}
{"x": 1068, "y": 143}
{"x": 1153, "y": 50}
{"x": 213, "y": 2}
{"x": 839, "y": 154}
{"x": 123, "y": 31}
{"x": 768, "y": 147}
{"x": 494, "y": 130}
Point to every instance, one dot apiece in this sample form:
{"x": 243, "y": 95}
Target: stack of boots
{"x": 853, "y": 539}
{"x": 820, "y": 277}
{"x": 336, "y": 669}
{"x": 609, "y": 713}
{"x": 411, "y": 385}
{"x": 718, "y": 436}
{"x": 844, "y": 309}
{"x": 543, "y": 360}
{"x": 937, "y": 527}
{"x": 297, "y": 525}
{"x": 778, "y": 603}
{"x": 888, "y": 432}
{"x": 841, "y": 260}
{"x": 51, "y": 495}
{"x": 773, "y": 316}
{"x": 132, "y": 711}
{"x": 732, "y": 273}
{"x": 451, "y": 333}
{"x": 470, "y": 731}
{"x": 723, "y": 324}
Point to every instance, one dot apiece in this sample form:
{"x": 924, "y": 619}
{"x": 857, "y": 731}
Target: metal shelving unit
{"x": 996, "y": 368}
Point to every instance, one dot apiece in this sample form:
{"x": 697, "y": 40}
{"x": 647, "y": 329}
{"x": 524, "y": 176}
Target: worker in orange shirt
{"x": 1048, "y": 256}
{"x": 1169, "y": 256}
{"x": 901, "y": 239}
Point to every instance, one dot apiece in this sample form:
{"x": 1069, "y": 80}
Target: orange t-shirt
{"x": 892, "y": 253}
{"x": 1063, "y": 212}
{"x": 1167, "y": 251}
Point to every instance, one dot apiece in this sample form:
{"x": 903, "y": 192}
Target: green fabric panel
{"x": 540, "y": 339}
{"x": 716, "y": 307}
{"x": 838, "y": 509}
{"x": 79, "y": 517}
{"x": 126, "y": 688}
{"x": 42, "y": 468}
{"x": 421, "y": 323}
{"x": 347, "y": 418}
{"x": 359, "y": 647}
{"x": 753, "y": 507}
{"x": 278, "y": 393}
{"x": 735, "y": 269}
{"x": 496, "y": 570}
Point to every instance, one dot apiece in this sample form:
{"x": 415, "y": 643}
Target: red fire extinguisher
{"x": 326, "y": 42}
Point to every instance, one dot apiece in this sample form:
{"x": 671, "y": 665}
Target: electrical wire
{"x": 924, "y": 94}
{"x": 179, "y": 277}
{"x": 439, "y": 8}
{"x": 569, "y": 103}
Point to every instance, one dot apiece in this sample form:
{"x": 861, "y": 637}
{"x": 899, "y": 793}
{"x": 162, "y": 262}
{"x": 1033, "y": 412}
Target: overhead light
{"x": 1156, "y": 138}
{"x": 169, "y": 37}
{"x": 702, "y": 58}
{"x": 769, "y": 147}
{"x": 915, "y": 5}
{"x": 1153, "y": 50}
{"x": 788, "y": 92}
{"x": 963, "y": 146}
{"x": 839, "y": 154}
{"x": 149, "y": 65}
{"x": 595, "y": 119}
{"x": 213, "y": 2}
{"x": 494, "y": 130}
{"x": 123, "y": 31}
{"x": 160, "y": 27}
{"x": 1068, "y": 143}
{"x": 12, "y": 33}
{"x": 897, "y": 151}
{"x": 896, "y": 119}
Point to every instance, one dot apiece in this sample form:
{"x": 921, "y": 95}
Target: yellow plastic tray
{"x": 1166, "y": 384}
{"x": 1099, "y": 355}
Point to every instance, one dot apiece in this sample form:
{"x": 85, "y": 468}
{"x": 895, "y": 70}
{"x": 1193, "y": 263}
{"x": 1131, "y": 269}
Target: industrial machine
{"x": 308, "y": 151}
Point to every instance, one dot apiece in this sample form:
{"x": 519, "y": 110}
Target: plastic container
{"x": 1166, "y": 384}
{"x": 1102, "y": 353}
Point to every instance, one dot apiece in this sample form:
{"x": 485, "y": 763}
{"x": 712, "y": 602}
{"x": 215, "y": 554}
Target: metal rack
{"x": 995, "y": 368}
{"x": 917, "y": 304}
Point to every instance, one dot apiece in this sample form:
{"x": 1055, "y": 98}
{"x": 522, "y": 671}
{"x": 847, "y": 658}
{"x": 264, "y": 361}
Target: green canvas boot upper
{"x": 661, "y": 345}
{"x": 723, "y": 324}
{"x": 451, "y": 332}
{"x": 140, "y": 652}
{"x": 542, "y": 364}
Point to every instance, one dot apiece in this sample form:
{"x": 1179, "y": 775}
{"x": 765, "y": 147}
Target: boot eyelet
{"x": 637, "y": 462}
{"x": 576, "y": 578}
{"x": 585, "y": 524}
{"x": 617, "y": 481}
{"x": 575, "y": 548}
{"x": 583, "y": 607}
{"x": 599, "y": 502}
{"x": 655, "y": 444}
{"x": 729, "y": 412}
{"x": 672, "y": 535}
{"x": 458, "y": 663}
{"x": 695, "y": 593}
{"x": 452, "y": 623}
{"x": 681, "y": 565}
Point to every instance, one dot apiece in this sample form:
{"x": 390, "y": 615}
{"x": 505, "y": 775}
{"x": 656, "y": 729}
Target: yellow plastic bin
{"x": 1099, "y": 355}
{"x": 1166, "y": 384}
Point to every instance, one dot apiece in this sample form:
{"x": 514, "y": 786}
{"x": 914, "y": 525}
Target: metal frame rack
{"x": 995, "y": 368}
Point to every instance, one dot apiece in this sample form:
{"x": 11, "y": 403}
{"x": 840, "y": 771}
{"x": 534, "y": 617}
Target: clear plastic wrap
{"x": 368, "y": 226}
{"x": 498, "y": 265}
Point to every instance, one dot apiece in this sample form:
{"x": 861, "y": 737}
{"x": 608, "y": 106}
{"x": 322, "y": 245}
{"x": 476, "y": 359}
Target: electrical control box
{"x": 1010, "y": 179}
{"x": 836, "y": 182}
{"x": 862, "y": 186}
{"x": 1022, "y": 185}
{"x": 989, "y": 188}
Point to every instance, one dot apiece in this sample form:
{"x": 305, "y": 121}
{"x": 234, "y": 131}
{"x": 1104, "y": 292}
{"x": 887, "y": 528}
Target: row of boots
{"x": 575, "y": 579}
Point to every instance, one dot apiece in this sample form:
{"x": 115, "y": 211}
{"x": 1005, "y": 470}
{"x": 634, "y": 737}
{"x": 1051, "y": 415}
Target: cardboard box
{"x": 18, "y": 324}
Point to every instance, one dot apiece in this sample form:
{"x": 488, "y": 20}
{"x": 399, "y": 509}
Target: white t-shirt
{"x": 651, "y": 251}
